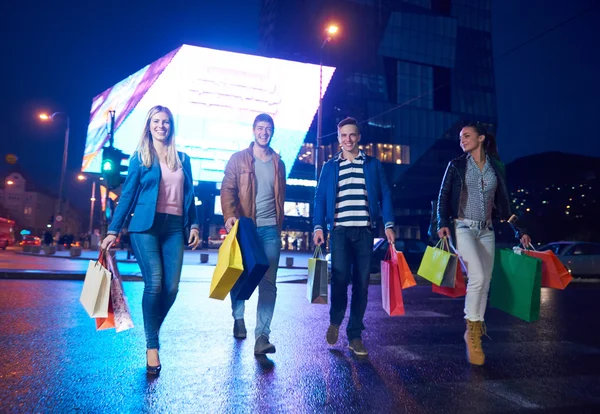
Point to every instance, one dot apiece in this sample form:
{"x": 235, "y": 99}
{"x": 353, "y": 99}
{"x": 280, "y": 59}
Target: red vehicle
{"x": 31, "y": 241}
{"x": 7, "y": 233}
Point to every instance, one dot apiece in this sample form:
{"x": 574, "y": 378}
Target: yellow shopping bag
{"x": 229, "y": 266}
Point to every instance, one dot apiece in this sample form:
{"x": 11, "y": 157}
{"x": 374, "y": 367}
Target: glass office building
{"x": 413, "y": 71}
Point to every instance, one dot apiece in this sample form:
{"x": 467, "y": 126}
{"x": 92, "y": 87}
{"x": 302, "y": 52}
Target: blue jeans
{"x": 267, "y": 290}
{"x": 159, "y": 253}
{"x": 351, "y": 249}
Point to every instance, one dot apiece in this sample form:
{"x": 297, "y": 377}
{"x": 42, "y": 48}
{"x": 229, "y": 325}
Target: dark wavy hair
{"x": 489, "y": 142}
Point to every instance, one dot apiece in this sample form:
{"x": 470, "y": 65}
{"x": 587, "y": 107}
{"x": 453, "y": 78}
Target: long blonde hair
{"x": 145, "y": 148}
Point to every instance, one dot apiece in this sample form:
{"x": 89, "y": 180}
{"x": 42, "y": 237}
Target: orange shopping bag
{"x": 406, "y": 277}
{"x": 554, "y": 273}
{"x": 106, "y": 323}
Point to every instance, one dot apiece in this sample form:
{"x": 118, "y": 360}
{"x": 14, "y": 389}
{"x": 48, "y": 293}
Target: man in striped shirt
{"x": 351, "y": 195}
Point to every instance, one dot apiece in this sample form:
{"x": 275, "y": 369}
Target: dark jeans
{"x": 159, "y": 253}
{"x": 351, "y": 249}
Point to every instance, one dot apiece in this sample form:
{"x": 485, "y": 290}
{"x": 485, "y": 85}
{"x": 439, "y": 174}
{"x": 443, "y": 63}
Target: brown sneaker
{"x": 472, "y": 337}
{"x": 357, "y": 346}
{"x": 332, "y": 334}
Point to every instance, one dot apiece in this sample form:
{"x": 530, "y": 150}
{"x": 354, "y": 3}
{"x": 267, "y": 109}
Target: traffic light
{"x": 111, "y": 166}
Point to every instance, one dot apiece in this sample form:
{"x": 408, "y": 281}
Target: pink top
{"x": 170, "y": 191}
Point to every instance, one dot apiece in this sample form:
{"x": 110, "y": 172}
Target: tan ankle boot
{"x": 473, "y": 334}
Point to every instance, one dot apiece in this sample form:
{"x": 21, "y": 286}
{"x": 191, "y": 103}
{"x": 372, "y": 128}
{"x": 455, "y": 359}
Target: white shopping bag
{"x": 96, "y": 290}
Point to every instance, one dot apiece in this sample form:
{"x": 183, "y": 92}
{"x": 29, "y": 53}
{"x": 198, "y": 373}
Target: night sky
{"x": 57, "y": 58}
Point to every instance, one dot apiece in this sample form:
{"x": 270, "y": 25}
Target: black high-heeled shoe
{"x": 153, "y": 370}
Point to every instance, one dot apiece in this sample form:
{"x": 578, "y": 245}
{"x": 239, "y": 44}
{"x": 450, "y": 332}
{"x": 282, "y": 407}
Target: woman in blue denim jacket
{"x": 159, "y": 192}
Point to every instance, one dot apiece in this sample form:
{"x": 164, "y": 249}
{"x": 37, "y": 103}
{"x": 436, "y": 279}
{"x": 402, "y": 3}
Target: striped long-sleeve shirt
{"x": 351, "y": 204}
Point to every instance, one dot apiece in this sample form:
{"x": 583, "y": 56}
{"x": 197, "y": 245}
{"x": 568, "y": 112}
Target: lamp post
{"x": 58, "y": 216}
{"x": 93, "y": 201}
{"x": 330, "y": 31}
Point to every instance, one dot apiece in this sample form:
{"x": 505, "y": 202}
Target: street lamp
{"x": 44, "y": 117}
{"x": 330, "y": 31}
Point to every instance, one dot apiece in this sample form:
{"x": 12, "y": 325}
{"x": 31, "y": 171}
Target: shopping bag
{"x": 95, "y": 293}
{"x": 316, "y": 285}
{"x": 391, "y": 292}
{"x": 406, "y": 277}
{"x": 118, "y": 300}
{"x": 254, "y": 260}
{"x": 229, "y": 266}
{"x": 516, "y": 284}
{"x": 554, "y": 273}
{"x": 439, "y": 265}
{"x": 108, "y": 322}
{"x": 460, "y": 286}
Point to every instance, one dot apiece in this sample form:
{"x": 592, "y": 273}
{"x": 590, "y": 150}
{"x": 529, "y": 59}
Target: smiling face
{"x": 349, "y": 137}
{"x": 263, "y": 132}
{"x": 470, "y": 140}
{"x": 160, "y": 127}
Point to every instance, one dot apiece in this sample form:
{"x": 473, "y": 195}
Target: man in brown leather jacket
{"x": 254, "y": 187}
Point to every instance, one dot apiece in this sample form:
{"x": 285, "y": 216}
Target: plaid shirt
{"x": 477, "y": 197}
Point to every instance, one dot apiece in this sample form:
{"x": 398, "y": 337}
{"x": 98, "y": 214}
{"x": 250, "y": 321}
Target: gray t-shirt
{"x": 266, "y": 214}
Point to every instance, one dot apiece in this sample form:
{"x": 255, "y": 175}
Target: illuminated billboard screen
{"x": 293, "y": 209}
{"x": 215, "y": 96}
{"x": 290, "y": 208}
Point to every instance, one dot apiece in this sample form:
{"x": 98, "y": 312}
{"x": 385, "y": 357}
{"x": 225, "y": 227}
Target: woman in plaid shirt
{"x": 473, "y": 192}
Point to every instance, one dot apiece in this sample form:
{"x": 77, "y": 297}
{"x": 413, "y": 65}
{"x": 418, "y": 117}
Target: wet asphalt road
{"x": 52, "y": 359}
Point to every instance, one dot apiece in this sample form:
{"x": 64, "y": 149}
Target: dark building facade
{"x": 412, "y": 71}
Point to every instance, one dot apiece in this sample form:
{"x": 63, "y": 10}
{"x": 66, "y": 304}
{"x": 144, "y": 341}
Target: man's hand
{"x": 390, "y": 234}
{"x": 318, "y": 237}
{"x": 444, "y": 232}
{"x": 108, "y": 242}
{"x": 525, "y": 241}
{"x": 194, "y": 238}
{"x": 229, "y": 223}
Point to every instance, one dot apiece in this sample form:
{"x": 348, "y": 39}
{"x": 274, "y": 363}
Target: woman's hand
{"x": 444, "y": 232}
{"x": 108, "y": 242}
{"x": 525, "y": 241}
{"x": 194, "y": 238}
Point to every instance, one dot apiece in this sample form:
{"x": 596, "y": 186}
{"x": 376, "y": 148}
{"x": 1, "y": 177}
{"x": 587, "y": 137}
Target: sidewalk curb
{"x": 134, "y": 260}
{"x": 59, "y": 275}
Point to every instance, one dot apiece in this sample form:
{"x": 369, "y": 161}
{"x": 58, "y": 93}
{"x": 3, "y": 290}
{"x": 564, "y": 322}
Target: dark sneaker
{"x": 332, "y": 334}
{"x": 239, "y": 329}
{"x": 357, "y": 346}
{"x": 263, "y": 346}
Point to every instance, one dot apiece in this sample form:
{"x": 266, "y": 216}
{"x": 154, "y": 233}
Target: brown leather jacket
{"x": 238, "y": 189}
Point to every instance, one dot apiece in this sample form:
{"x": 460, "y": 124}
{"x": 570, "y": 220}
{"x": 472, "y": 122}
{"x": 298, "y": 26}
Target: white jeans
{"x": 476, "y": 243}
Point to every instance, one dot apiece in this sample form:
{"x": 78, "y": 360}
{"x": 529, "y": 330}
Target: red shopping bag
{"x": 391, "y": 292}
{"x": 460, "y": 285}
{"x": 554, "y": 273}
{"x": 406, "y": 277}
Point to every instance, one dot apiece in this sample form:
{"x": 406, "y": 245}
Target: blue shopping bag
{"x": 254, "y": 259}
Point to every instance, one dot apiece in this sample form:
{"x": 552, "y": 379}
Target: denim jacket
{"x": 378, "y": 193}
{"x": 140, "y": 195}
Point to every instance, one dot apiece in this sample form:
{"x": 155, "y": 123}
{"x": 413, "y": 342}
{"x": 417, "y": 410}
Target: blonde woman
{"x": 159, "y": 191}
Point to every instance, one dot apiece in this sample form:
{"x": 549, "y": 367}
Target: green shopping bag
{"x": 439, "y": 265}
{"x": 516, "y": 284}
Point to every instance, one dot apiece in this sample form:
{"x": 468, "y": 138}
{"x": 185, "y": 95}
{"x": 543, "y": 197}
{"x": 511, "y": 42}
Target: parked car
{"x": 581, "y": 258}
{"x": 413, "y": 250}
{"x": 31, "y": 241}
